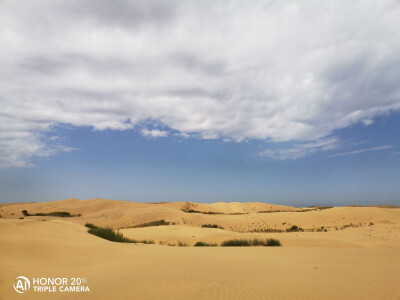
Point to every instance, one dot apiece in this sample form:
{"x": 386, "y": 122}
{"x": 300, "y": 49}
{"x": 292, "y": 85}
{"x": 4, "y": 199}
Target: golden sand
{"x": 357, "y": 261}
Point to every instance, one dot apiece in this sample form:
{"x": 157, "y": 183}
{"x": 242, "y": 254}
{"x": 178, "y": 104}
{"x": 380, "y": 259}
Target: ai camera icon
{"x": 22, "y": 284}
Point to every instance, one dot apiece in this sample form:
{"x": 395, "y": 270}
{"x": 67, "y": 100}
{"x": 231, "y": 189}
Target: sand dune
{"x": 355, "y": 262}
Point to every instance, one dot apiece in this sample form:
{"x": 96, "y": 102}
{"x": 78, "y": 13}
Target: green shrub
{"x": 267, "y": 230}
{"x": 294, "y": 228}
{"x": 63, "y": 214}
{"x": 90, "y": 225}
{"x": 235, "y": 243}
{"x": 248, "y": 243}
{"x": 257, "y": 242}
{"x": 203, "y": 244}
{"x": 153, "y": 223}
{"x": 273, "y": 242}
{"x": 211, "y": 226}
{"x": 144, "y": 241}
{"x": 109, "y": 234}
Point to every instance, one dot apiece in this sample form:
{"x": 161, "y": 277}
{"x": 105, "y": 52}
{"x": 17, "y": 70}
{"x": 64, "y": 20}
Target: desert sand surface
{"x": 343, "y": 252}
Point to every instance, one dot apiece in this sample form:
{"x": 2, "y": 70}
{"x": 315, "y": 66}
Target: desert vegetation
{"x": 152, "y": 223}
{"x": 109, "y": 234}
{"x": 274, "y": 230}
{"x": 211, "y": 226}
{"x": 294, "y": 228}
{"x": 248, "y": 243}
{"x": 204, "y": 244}
{"x": 62, "y": 214}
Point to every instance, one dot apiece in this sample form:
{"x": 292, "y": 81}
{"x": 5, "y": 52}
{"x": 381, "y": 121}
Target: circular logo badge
{"x": 22, "y": 284}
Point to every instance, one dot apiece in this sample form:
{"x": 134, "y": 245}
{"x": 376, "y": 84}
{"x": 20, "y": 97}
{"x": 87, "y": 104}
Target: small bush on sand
{"x": 267, "y": 230}
{"x": 248, "y": 243}
{"x": 211, "y": 226}
{"x": 203, "y": 244}
{"x": 153, "y": 223}
{"x": 62, "y": 214}
{"x": 294, "y": 228}
{"x": 90, "y": 225}
{"x": 273, "y": 242}
{"x": 109, "y": 234}
{"x": 235, "y": 243}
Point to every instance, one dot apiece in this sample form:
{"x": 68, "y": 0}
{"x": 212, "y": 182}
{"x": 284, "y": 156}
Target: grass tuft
{"x": 248, "y": 243}
{"x": 273, "y": 243}
{"x": 90, "y": 225}
{"x": 109, "y": 234}
{"x": 236, "y": 243}
{"x": 62, "y": 214}
{"x": 267, "y": 230}
{"x": 203, "y": 244}
{"x": 153, "y": 223}
{"x": 294, "y": 228}
{"x": 211, "y": 226}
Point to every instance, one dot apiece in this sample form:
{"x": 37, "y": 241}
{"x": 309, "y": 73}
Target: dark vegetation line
{"x": 267, "y": 230}
{"x": 152, "y": 223}
{"x": 109, "y": 234}
{"x": 211, "y": 226}
{"x": 204, "y": 244}
{"x": 63, "y": 214}
{"x": 294, "y": 228}
{"x": 253, "y": 242}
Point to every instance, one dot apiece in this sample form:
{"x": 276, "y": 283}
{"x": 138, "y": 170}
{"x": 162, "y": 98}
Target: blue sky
{"x": 289, "y": 102}
{"x": 125, "y": 165}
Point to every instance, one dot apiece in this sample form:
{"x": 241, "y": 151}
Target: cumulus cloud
{"x": 280, "y": 71}
{"x": 154, "y": 132}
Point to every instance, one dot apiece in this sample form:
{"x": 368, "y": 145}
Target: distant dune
{"x": 339, "y": 253}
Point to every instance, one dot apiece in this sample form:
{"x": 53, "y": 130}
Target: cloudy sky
{"x": 294, "y": 102}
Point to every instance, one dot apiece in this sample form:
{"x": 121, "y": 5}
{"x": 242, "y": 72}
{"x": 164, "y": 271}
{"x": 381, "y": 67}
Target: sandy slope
{"x": 353, "y": 263}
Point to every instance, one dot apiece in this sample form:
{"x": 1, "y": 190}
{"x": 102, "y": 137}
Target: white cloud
{"x": 275, "y": 70}
{"x": 154, "y": 132}
{"x": 362, "y": 151}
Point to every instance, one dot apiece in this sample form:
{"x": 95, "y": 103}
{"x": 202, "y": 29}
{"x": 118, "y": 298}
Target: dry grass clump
{"x": 63, "y": 214}
{"x": 253, "y": 242}
{"x": 212, "y": 226}
{"x": 109, "y": 234}
{"x": 204, "y": 244}
{"x": 294, "y": 228}
{"x": 152, "y": 223}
